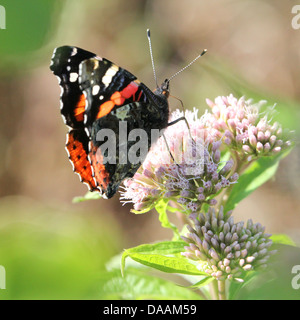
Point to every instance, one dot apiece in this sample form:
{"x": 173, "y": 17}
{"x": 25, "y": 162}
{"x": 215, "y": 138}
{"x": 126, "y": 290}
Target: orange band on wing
{"x": 100, "y": 174}
{"x": 105, "y": 108}
{"x": 118, "y": 98}
{"x": 80, "y": 108}
{"x": 78, "y": 157}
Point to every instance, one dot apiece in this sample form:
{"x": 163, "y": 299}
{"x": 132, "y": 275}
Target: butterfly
{"x": 96, "y": 96}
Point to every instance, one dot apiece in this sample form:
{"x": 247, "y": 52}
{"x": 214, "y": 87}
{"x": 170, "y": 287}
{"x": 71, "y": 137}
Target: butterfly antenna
{"x": 200, "y": 55}
{"x": 151, "y": 54}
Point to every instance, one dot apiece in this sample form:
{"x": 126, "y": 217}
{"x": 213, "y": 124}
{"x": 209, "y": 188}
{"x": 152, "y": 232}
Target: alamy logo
{"x": 2, "y": 18}
{"x": 296, "y": 278}
{"x": 296, "y": 18}
{"x": 2, "y": 278}
{"x": 133, "y": 146}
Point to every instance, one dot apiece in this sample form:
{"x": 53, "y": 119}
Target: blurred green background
{"x": 53, "y": 249}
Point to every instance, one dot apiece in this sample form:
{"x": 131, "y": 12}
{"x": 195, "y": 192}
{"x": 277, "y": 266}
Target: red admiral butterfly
{"x": 97, "y": 94}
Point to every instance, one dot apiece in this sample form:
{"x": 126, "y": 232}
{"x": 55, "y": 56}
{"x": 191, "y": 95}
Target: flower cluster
{"x": 245, "y": 129}
{"x": 225, "y": 249}
{"x": 189, "y": 171}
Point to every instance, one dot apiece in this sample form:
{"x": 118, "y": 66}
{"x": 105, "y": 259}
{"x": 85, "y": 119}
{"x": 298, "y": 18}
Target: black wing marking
{"x": 106, "y": 86}
{"x": 65, "y": 65}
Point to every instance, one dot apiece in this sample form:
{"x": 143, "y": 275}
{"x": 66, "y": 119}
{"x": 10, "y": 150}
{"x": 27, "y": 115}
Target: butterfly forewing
{"x": 65, "y": 65}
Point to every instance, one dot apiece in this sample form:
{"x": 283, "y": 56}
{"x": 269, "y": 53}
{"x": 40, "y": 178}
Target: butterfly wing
{"x": 119, "y": 144}
{"x": 113, "y": 95}
{"x": 65, "y": 65}
{"x": 77, "y": 149}
{"x": 106, "y": 87}
{"x": 97, "y": 94}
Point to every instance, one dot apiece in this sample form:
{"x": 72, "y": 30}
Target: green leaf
{"x": 282, "y": 239}
{"x": 161, "y": 208}
{"x": 236, "y": 286}
{"x": 164, "y": 247}
{"x": 276, "y": 282}
{"x": 172, "y": 209}
{"x": 88, "y": 196}
{"x": 137, "y": 285}
{"x": 147, "y": 209}
{"x": 203, "y": 282}
{"x": 28, "y": 26}
{"x": 164, "y": 263}
{"x": 254, "y": 176}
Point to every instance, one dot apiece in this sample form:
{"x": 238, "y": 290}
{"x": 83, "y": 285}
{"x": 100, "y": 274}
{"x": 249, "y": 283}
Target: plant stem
{"x": 221, "y": 290}
{"x": 214, "y": 290}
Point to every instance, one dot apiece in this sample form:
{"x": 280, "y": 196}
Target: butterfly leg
{"x": 177, "y": 120}
{"x": 186, "y": 122}
{"x": 172, "y": 123}
{"x": 166, "y": 142}
{"x": 181, "y": 118}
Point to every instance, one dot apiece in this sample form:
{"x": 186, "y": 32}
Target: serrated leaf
{"x": 163, "y": 247}
{"x": 164, "y": 263}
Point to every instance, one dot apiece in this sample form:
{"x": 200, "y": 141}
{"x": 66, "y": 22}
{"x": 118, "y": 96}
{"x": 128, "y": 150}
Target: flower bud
{"x": 223, "y": 252}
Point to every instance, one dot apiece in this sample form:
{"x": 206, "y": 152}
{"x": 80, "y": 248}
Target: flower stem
{"x": 214, "y": 290}
{"x": 221, "y": 290}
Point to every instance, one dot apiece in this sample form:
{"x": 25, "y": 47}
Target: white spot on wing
{"x": 111, "y": 71}
{"x": 95, "y": 90}
{"x": 106, "y": 79}
{"x": 73, "y": 76}
{"x": 87, "y": 131}
{"x": 74, "y": 51}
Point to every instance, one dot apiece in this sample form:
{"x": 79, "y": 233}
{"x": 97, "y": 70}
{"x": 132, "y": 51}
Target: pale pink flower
{"x": 195, "y": 177}
{"x": 245, "y": 128}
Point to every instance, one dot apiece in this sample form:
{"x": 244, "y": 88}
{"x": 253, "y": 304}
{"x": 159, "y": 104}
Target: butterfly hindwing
{"x": 77, "y": 149}
{"x": 114, "y": 151}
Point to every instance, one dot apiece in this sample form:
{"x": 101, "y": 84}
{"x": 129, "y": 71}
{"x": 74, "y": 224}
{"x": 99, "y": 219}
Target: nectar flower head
{"x": 189, "y": 171}
{"x": 245, "y": 128}
{"x": 225, "y": 249}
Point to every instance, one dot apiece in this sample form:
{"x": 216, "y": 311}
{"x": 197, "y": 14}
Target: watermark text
{"x": 296, "y": 19}
{"x": 131, "y": 146}
{"x": 2, "y": 278}
{"x": 2, "y": 18}
{"x": 296, "y": 278}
